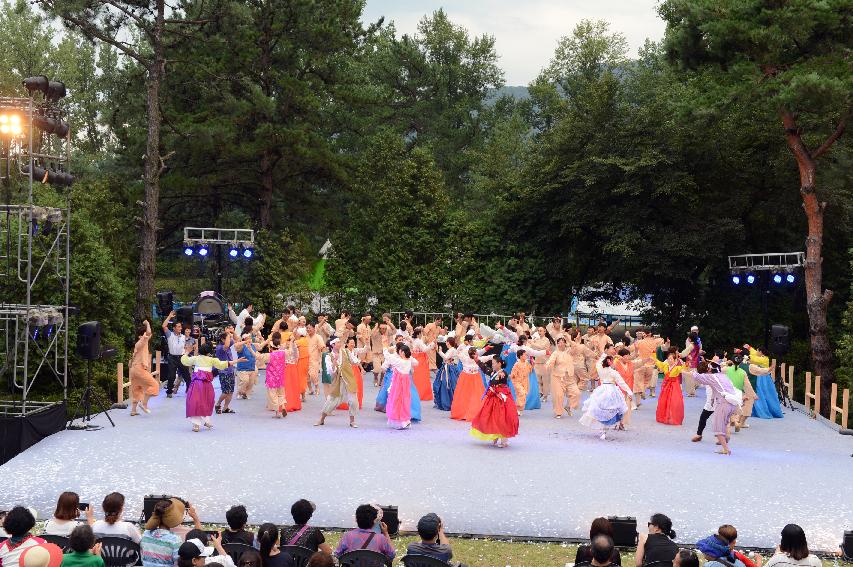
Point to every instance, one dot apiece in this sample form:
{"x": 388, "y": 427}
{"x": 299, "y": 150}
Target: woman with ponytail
{"x": 112, "y": 524}
{"x": 657, "y": 546}
{"x": 271, "y": 555}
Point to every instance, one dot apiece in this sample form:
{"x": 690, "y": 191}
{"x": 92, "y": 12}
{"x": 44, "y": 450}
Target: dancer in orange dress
{"x": 625, "y": 367}
{"x": 420, "y": 350}
{"x": 670, "y": 410}
{"x": 304, "y": 360}
{"x": 292, "y": 387}
{"x": 143, "y": 385}
{"x": 470, "y": 386}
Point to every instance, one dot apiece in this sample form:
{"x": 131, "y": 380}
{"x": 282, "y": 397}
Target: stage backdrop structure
{"x": 201, "y": 242}
{"x": 35, "y": 147}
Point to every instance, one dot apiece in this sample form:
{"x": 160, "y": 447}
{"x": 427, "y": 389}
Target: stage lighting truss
{"x": 237, "y": 242}
{"x": 781, "y": 268}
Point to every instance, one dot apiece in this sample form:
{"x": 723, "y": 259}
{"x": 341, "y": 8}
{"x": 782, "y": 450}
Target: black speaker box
{"x": 184, "y": 316}
{"x": 624, "y": 530}
{"x": 391, "y": 519}
{"x": 780, "y": 339}
{"x": 165, "y": 301}
{"x": 89, "y": 340}
{"x": 847, "y": 546}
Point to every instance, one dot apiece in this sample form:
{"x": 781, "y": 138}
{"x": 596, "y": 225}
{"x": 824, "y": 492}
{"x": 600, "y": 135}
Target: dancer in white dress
{"x": 606, "y": 405}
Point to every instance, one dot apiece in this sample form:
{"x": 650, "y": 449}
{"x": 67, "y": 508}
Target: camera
{"x": 83, "y": 506}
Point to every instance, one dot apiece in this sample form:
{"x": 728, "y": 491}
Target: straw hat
{"x": 173, "y": 516}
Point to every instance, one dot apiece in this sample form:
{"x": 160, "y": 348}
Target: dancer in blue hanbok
{"x": 446, "y": 377}
{"x": 767, "y": 405}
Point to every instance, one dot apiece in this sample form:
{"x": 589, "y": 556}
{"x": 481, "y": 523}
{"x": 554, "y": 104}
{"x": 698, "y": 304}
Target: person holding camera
{"x": 68, "y": 509}
{"x": 433, "y": 541}
{"x": 372, "y": 533}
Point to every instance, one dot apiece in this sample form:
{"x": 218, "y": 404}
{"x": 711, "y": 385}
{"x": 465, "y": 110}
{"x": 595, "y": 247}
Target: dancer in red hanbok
{"x": 420, "y": 350}
{"x": 497, "y": 419}
{"x": 670, "y": 409}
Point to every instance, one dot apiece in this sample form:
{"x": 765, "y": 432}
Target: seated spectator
{"x": 84, "y": 551}
{"x": 219, "y": 555}
{"x": 249, "y": 558}
{"x": 17, "y": 523}
{"x": 657, "y": 546}
{"x": 237, "y": 518}
{"x": 602, "y": 549}
{"x": 600, "y": 526}
{"x": 729, "y": 534}
{"x": 365, "y": 536}
{"x": 44, "y": 555}
{"x": 717, "y": 552}
{"x": 271, "y": 555}
{"x": 685, "y": 558}
{"x": 793, "y": 549}
{"x": 193, "y": 553}
{"x": 321, "y": 559}
{"x": 112, "y": 525}
{"x": 159, "y": 542}
{"x": 65, "y": 516}
{"x": 301, "y": 533}
{"x": 433, "y": 541}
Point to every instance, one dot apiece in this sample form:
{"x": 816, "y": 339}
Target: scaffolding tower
{"x": 35, "y": 248}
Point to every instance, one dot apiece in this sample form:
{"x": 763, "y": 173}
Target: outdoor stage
{"x": 552, "y": 480}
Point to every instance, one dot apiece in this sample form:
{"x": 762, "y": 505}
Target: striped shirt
{"x": 160, "y": 548}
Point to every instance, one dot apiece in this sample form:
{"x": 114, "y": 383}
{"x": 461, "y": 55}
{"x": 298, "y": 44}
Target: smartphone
{"x": 83, "y": 506}
{"x": 212, "y": 533}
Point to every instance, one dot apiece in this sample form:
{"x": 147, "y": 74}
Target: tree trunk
{"x": 817, "y": 299}
{"x": 150, "y": 212}
{"x": 266, "y": 188}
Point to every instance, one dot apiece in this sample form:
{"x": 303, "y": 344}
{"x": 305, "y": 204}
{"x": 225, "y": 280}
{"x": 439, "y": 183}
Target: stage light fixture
{"x": 51, "y": 125}
{"x": 188, "y": 250}
{"x": 790, "y": 278}
{"x": 202, "y": 250}
{"x": 248, "y": 252}
{"x": 234, "y": 251}
{"x": 10, "y": 125}
{"x": 736, "y": 279}
{"x": 777, "y": 279}
{"x": 750, "y": 279}
{"x": 55, "y": 91}
{"x": 37, "y": 83}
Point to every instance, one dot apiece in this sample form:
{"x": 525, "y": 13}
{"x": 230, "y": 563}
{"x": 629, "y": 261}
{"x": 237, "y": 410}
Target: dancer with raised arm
{"x": 497, "y": 418}
{"x": 200, "y": 394}
{"x": 670, "y": 410}
{"x": 470, "y": 388}
{"x": 444, "y": 385}
{"x": 274, "y": 377}
{"x": 565, "y": 395}
{"x": 606, "y": 406}
{"x": 143, "y": 385}
{"x": 344, "y": 387}
{"x": 421, "y": 350}
{"x": 727, "y": 400}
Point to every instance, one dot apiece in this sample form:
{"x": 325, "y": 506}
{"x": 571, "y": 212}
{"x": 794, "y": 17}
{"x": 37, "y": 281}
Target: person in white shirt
{"x": 793, "y": 550}
{"x": 65, "y": 516}
{"x": 112, "y": 525}
{"x": 176, "y": 341}
{"x": 17, "y": 523}
{"x": 240, "y": 320}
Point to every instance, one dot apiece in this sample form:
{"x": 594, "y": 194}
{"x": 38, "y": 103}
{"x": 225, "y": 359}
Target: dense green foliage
{"x": 440, "y": 190}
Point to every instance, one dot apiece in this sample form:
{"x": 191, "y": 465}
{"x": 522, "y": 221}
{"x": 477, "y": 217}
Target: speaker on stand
{"x": 89, "y": 349}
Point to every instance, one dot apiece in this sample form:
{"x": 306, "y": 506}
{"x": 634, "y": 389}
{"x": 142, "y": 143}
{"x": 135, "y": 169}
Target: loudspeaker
{"x": 780, "y": 339}
{"x": 847, "y": 546}
{"x": 164, "y": 302}
{"x": 624, "y": 530}
{"x": 391, "y": 519}
{"x": 89, "y": 340}
{"x": 184, "y": 316}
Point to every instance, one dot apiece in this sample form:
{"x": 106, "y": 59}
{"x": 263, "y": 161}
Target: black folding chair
{"x": 416, "y": 560}
{"x": 300, "y": 554}
{"x": 364, "y": 558}
{"x": 235, "y": 550}
{"x": 120, "y": 552}
{"x": 60, "y": 541}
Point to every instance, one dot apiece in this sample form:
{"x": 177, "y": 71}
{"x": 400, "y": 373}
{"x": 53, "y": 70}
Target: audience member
{"x": 44, "y": 555}
{"x": 84, "y": 551}
{"x": 65, "y": 516}
{"x": 685, "y": 558}
{"x": 657, "y": 546}
{"x": 365, "y": 536}
{"x": 112, "y": 525}
{"x": 271, "y": 555}
{"x": 219, "y": 554}
{"x": 159, "y": 542}
{"x": 433, "y": 541}
{"x": 301, "y": 533}
{"x": 793, "y": 549}
{"x": 237, "y": 518}
{"x": 600, "y": 526}
{"x": 321, "y": 559}
{"x": 249, "y": 558}
{"x": 602, "y": 550}
{"x": 717, "y": 552}
{"x": 729, "y": 534}
{"x": 193, "y": 553}
{"x": 17, "y": 523}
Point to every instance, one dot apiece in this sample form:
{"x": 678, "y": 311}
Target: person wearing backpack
{"x": 372, "y": 533}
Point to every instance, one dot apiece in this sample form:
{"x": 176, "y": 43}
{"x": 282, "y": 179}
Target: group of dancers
{"x": 485, "y": 376}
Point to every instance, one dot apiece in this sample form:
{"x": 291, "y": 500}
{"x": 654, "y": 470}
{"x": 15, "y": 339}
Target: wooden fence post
{"x": 120, "y": 382}
{"x": 812, "y": 396}
{"x": 834, "y": 408}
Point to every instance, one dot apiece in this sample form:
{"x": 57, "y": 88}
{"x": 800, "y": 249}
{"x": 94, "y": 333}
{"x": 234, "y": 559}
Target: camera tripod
{"x": 84, "y": 406}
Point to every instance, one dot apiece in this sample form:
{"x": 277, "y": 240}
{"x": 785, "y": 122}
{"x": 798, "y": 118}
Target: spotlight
{"x": 51, "y": 125}
{"x": 202, "y": 250}
{"x": 777, "y": 279}
{"x": 750, "y": 279}
{"x": 233, "y": 252}
{"x": 37, "y": 83}
{"x": 248, "y": 252}
{"x": 736, "y": 279}
{"x": 188, "y": 250}
{"x": 10, "y": 125}
{"x": 790, "y": 278}
{"x": 55, "y": 91}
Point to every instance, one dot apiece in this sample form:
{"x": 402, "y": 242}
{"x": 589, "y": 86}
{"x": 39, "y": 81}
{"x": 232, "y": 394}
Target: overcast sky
{"x": 526, "y": 31}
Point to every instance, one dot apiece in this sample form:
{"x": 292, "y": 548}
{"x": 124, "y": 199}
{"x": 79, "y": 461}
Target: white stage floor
{"x": 552, "y": 481}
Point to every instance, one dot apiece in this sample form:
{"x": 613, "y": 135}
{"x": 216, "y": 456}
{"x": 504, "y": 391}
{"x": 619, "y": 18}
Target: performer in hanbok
{"x": 275, "y": 375}
{"x": 624, "y": 365}
{"x": 565, "y": 395}
{"x": 200, "y": 394}
{"x": 143, "y": 385}
{"x": 398, "y": 408}
{"x": 670, "y": 410}
{"x": 691, "y": 354}
{"x": 470, "y": 388}
{"x": 646, "y": 376}
{"x": 444, "y": 385}
{"x": 523, "y": 382}
{"x": 767, "y": 405}
{"x": 497, "y": 418}
{"x": 292, "y": 384}
{"x": 421, "y": 350}
{"x": 316, "y": 347}
{"x": 740, "y": 380}
{"x": 344, "y": 387}
{"x": 606, "y": 405}
{"x": 356, "y": 357}
{"x": 727, "y": 400}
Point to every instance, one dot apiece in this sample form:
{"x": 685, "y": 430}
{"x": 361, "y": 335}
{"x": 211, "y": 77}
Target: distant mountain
{"x": 519, "y": 93}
